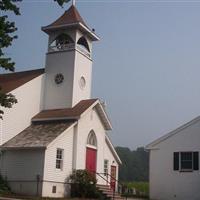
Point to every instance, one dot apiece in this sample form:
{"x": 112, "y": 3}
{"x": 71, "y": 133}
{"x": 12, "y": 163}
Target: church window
{"x": 62, "y": 42}
{"x": 59, "y": 78}
{"x": 92, "y": 140}
{"x": 82, "y": 82}
{"x": 83, "y": 43}
{"x": 59, "y": 159}
{"x": 105, "y": 167}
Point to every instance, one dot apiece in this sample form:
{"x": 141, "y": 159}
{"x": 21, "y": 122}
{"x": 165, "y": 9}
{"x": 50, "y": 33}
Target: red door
{"x": 113, "y": 177}
{"x": 91, "y": 159}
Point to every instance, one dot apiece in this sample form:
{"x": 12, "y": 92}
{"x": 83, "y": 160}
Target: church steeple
{"x": 71, "y": 19}
{"x": 68, "y": 61}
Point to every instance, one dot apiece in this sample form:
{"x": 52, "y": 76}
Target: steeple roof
{"x": 70, "y": 18}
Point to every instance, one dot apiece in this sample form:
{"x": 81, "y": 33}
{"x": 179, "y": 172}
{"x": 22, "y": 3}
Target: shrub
{"x": 4, "y": 188}
{"x": 83, "y": 184}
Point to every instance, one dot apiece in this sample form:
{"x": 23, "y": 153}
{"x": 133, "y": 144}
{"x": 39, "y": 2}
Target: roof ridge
{"x": 32, "y": 70}
{"x": 173, "y": 132}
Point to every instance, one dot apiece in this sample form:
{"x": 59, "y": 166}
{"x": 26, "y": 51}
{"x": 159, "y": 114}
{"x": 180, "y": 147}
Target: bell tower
{"x": 68, "y": 61}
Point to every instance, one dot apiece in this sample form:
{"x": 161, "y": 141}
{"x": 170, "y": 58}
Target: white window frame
{"x": 184, "y": 169}
{"x": 106, "y": 167}
{"x": 59, "y": 158}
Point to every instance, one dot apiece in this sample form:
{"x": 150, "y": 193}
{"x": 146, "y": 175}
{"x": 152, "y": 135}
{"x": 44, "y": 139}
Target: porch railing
{"x": 119, "y": 184}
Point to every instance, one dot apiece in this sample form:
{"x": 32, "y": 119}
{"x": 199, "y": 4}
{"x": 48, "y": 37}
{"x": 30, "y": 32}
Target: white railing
{"x": 68, "y": 47}
{"x": 63, "y": 47}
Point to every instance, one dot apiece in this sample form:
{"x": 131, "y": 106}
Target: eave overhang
{"x": 103, "y": 115}
{"x": 112, "y": 148}
{"x": 78, "y": 25}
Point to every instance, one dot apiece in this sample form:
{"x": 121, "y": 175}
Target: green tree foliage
{"x": 7, "y": 30}
{"x": 135, "y": 165}
{"x": 7, "y": 35}
{"x": 83, "y": 184}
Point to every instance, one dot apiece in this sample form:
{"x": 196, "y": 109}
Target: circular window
{"x": 59, "y": 78}
{"x": 82, "y": 82}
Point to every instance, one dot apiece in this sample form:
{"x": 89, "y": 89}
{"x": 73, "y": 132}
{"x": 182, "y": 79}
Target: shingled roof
{"x": 37, "y": 135}
{"x": 70, "y": 19}
{"x": 70, "y": 16}
{"x": 66, "y": 113}
{"x": 11, "y": 81}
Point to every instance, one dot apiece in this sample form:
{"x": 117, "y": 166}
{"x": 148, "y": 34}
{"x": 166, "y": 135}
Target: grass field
{"x": 138, "y": 189}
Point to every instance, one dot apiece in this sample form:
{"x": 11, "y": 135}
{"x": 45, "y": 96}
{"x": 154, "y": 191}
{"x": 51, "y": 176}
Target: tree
{"x": 7, "y": 35}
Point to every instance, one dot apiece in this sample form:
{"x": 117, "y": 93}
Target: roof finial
{"x": 73, "y": 2}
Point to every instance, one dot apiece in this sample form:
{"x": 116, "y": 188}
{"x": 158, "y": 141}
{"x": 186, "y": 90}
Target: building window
{"x": 54, "y": 189}
{"x": 186, "y": 161}
{"x": 92, "y": 140}
{"x": 83, "y": 43}
{"x": 59, "y": 159}
{"x": 105, "y": 167}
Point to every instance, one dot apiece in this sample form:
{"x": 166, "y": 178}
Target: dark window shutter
{"x": 195, "y": 160}
{"x": 176, "y": 161}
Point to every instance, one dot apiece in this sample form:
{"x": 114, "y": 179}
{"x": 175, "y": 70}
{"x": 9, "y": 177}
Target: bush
{"x": 83, "y": 184}
{"x": 4, "y": 188}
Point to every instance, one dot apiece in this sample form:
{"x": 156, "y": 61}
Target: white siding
{"x": 91, "y": 121}
{"x": 111, "y": 161}
{"x": 167, "y": 184}
{"x": 21, "y": 168}
{"x": 17, "y": 118}
{"x": 53, "y": 176}
{"x": 73, "y": 65}
{"x": 82, "y": 68}
{"x": 59, "y": 95}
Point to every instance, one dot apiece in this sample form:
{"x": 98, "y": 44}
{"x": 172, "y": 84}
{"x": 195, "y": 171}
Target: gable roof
{"x": 37, "y": 135}
{"x": 49, "y": 124}
{"x": 153, "y": 144}
{"x": 74, "y": 113}
{"x": 11, "y": 81}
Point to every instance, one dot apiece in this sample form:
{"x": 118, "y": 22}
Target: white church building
{"x": 174, "y": 164}
{"x": 56, "y": 127}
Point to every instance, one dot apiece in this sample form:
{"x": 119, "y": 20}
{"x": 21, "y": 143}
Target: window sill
{"x": 186, "y": 170}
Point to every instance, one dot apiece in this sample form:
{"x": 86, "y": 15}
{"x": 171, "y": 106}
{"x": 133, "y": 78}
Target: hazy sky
{"x": 146, "y": 66}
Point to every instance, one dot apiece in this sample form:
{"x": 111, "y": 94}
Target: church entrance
{"x": 91, "y": 152}
{"x": 91, "y": 159}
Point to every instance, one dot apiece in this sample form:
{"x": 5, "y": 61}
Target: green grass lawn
{"x": 141, "y": 189}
